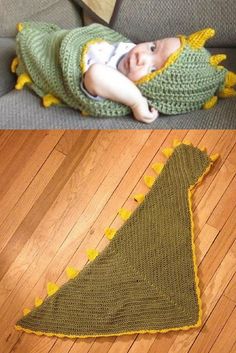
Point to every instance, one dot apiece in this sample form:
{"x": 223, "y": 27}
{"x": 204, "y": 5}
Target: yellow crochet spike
{"x": 38, "y": 302}
{"x": 22, "y": 80}
{"x": 216, "y": 59}
{"x": 210, "y": 103}
{"x": 227, "y": 92}
{"x": 203, "y": 149}
{"x": 214, "y": 157}
{"x": 187, "y": 142}
{"x": 197, "y": 40}
{"x": 71, "y": 272}
{"x": 19, "y": 27}
{"x": 84, "y": 113}
{"x": 149, "y": 180}
{"x": 230, "y": 79}
{"x": 157, "y": 167}
{"x": 167, "y": 151}
{"x": 92, "y": 254}
{"x": 52, "y": 288}
{"x": 139, "y": 197}
{"x": 26, "y": 311}
{"x": 14, "y": 64}
{"x": 110, "y": 233}
{"x": 124, "y": 214}
{"x": 49, "y": 100}
{"x": 176, "y": 143}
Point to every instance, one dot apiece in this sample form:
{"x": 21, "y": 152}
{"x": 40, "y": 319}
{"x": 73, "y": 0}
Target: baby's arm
{"x": 109, "y": 83}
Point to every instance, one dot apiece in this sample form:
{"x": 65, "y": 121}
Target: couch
{"x": 157, "y": 19}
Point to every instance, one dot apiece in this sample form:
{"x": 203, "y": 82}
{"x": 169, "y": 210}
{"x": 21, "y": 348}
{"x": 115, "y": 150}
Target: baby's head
{"x": 147, "y": 57}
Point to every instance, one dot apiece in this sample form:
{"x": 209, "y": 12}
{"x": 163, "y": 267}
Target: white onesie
{"x": 107, "y": 54}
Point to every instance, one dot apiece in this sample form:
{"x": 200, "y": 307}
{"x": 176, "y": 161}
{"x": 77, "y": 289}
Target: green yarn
{"x": 52, "y": 57}
{"x": 144, "y": 280}
{"x": 185, "y": 85}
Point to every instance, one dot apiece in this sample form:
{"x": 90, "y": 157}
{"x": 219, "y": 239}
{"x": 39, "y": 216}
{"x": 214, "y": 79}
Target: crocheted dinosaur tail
{"x": 145, "y": 280}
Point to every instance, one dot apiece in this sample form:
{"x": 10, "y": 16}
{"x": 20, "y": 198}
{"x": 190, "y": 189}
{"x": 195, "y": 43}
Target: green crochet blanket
{"x": 146, "y": 279}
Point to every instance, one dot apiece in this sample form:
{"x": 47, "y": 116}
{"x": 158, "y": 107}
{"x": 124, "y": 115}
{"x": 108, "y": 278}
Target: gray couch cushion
{"x": 61, "y": 12}
{"x": 149, "y": 20}
{"x": 7, "y": 53}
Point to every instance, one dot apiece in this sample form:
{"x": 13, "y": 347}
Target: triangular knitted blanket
{"x": 146, "y": 279}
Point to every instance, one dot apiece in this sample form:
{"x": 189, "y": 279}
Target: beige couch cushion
{"x": 61, "y": 12}
{"x": 97, "y": 10}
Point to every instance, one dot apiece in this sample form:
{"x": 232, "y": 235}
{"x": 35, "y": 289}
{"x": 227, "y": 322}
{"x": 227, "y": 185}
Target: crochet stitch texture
{"x": 145, "y": 280}
{"x": 50, "y": 61}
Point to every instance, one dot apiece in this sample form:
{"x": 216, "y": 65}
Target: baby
{"x": 118, "y": 84}
{"x": 102, "y": 73}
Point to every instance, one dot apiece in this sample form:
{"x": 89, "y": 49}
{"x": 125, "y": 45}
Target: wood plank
{"x": 227, "y": 338}
{"x": 213, "y": 326}
{"x": 230, "y": 291}
{"x": 27, "y": 163}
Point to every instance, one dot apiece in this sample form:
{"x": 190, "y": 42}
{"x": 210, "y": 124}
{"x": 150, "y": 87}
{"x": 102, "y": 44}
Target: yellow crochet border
{"x": 196, "y": 280}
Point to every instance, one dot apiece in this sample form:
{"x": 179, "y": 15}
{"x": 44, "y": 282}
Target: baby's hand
{"x": 142, "y": 113}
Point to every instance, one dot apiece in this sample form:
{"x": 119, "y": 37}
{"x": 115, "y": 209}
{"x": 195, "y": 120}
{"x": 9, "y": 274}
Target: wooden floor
{"x": 60, "y": 189}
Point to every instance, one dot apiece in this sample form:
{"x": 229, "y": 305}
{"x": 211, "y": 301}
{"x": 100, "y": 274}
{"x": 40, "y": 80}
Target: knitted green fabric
{"x": 52, "y": 57}
{"x": 53, "y": 60}
{"x": 145, "y": 280}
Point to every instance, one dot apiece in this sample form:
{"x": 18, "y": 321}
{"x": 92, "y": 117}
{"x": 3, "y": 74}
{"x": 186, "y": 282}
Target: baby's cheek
{"x": 136, "y": 75}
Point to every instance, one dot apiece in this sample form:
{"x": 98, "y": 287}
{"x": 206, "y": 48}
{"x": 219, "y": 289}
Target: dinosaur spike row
{"x": 149, "y": 180}
{"x": 157, "y": 167}
{"x": 26, "y": 311}
{"x": 167, "y": 151}
{"x": 22, "y": 80}
{"x": 19, "y": 27}
{"x": 214, "y": 157}
{"x": 187, "y": 142}
{"x": 197, "y": 40}
{"x": 227, "y": 92}
{"x": 92, "y": 254}
{"x": 14, "y": 64}
{"x": 110, "y": 233}
{"x": 210, "y": 103}
{"x": 124, "y": 214}
{"x": 230, "y": 79}
{"x": 52, "y": 288}
{"x": 139, "y": 197}
{"x": 71, "y": 272}
{"x": 49, "y": 100}
{"x": 176, "y": 143}
{"x": 216, "y": 59}
{"x": 38, "y": 301}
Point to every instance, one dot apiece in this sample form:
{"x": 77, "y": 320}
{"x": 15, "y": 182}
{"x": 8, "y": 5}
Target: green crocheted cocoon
{"x": 145, "y": 280}
{"x": 52, "y": 58}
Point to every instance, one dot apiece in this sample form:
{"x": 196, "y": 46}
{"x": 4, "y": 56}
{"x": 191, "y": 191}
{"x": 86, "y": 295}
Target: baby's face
{"x": 147, "y": 57}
